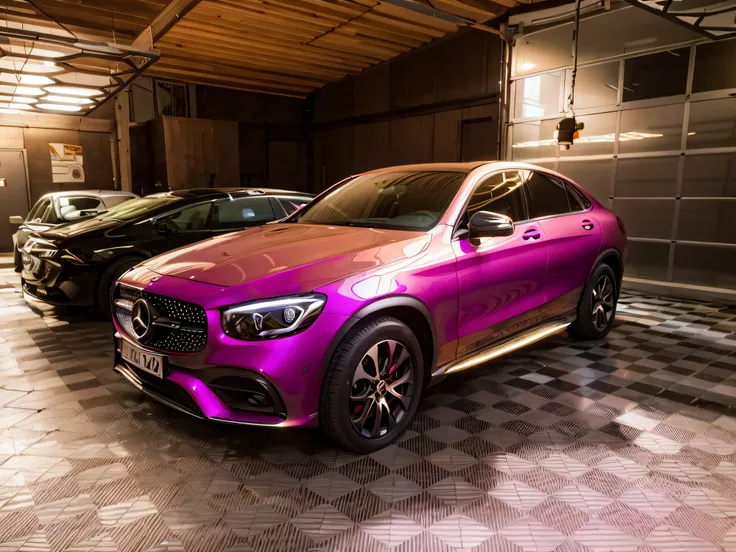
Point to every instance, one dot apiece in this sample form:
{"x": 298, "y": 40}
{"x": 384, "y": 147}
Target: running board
{"x": 503, "y": 348}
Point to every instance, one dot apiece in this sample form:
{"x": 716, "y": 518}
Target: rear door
{"x": 573, "y": 236}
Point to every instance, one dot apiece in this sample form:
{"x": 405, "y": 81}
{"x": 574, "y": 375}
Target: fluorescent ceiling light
{"x": 68, "y": 100}
{"x": 43, "y": 71}
{"x": 74, "y": 91}
{"x": 59, "y": 107}
{"x": 17, "y": 99}
{"x": 20, "y": 65}
{"x": 25, "y": 79}
{"x": 15, "y": 105}
{"x": 20, "y": 90}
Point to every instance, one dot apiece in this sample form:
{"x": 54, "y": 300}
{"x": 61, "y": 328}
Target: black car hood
{"x": 86, "y": 226}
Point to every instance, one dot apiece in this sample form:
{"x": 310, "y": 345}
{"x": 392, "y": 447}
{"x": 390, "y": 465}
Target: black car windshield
{"x": 402, "y": 200}
{"x": 136, "y": 208}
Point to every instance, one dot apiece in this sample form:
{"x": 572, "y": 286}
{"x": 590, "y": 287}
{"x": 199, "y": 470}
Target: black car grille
{"x": 178, "y": 326}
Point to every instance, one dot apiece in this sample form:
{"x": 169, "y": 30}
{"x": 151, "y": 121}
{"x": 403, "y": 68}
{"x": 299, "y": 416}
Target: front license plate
{"x": 153, "y": 364}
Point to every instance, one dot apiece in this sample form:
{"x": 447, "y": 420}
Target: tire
{"x": 351, "y": 374}
{"x": 107, "y": 281}
{"x": 597, "y": 307}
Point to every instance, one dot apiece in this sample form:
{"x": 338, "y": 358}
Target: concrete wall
{"x": 438, "y": 103}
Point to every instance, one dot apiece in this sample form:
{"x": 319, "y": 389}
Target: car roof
{"x": 216, "y": 193}
{"x": 429, "y": 167}
{"x": 89, "y": 193}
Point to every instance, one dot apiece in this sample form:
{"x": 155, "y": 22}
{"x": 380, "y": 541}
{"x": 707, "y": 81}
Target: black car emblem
{"x": 142, "y": 319}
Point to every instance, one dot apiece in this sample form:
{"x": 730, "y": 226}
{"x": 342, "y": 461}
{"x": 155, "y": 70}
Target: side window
{"x": 239, "y": 213}
{"x": 291, "y": 204}
{"x": 74, "y": 208}
{"x": 578, "y": 202}
{"x": 548, "y": 197}
{"x": 111, "y": 201}
{"x": 38, "y": 211}
{"x": 190, "y": 218}
{"x": 500, "y": 193}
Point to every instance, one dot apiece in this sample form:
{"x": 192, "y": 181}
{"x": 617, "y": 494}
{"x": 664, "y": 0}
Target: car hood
{"x": 74, "y": 229}
{"x": 297, "y": 257}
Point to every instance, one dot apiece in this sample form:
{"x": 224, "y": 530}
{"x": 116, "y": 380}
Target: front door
{"x": 501, "y": 279}
{"x": 13, "y": 195}
{"x": 182, "y": 227}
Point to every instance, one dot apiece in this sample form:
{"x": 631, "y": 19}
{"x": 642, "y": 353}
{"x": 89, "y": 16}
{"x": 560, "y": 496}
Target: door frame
{"x": 25, "y": 168}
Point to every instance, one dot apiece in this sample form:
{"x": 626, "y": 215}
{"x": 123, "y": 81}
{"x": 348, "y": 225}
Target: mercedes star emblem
{"x": 142, "y": 319}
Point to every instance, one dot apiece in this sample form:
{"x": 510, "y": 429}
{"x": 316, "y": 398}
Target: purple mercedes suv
{"x": 341, "y": 314}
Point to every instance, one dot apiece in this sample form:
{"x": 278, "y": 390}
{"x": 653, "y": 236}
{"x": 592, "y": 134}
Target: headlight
{"x": 271, "y": 318}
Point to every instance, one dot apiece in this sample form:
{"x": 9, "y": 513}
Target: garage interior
{"x": 625, "y": 443}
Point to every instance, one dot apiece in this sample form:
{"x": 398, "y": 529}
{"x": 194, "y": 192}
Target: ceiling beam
{"x": 168, "y": 17}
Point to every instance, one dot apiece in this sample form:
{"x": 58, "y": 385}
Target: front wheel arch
{"x": 104, "y": 282}
{"x": 408, "y": 310}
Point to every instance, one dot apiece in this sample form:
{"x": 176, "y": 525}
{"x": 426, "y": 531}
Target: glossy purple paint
{"x": 468, "y": 289}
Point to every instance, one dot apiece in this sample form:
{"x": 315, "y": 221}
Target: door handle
{"x": 532, "y": 234}
{"x": 588, "y": 225}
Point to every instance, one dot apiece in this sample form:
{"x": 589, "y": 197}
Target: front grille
{"x": 179, "y": 326}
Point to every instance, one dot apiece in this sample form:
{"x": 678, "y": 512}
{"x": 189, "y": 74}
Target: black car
{"x": 76, "y": 264}
{"x": 59, "y": 208}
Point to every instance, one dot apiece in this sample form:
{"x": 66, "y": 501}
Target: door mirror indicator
{"x": 485, "y": 224}
{"x": 17, "y": 220}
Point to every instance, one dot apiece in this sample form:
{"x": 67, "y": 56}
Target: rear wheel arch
{"x": 612, "y": 258}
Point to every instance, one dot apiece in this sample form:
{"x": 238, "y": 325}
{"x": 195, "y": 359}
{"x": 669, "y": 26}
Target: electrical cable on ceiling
{"x": 575, "y": 41}
{"x": 59, "y": 23}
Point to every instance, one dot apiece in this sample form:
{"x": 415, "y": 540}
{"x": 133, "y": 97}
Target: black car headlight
{"x": 271, "y": 318}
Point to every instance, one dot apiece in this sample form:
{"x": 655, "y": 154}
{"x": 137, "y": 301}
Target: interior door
{"x": 13, "y": 195}
{"x": 500, "y": 279}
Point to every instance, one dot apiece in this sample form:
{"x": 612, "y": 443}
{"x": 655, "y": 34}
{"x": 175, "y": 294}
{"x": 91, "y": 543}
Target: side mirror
{"x": 163, "y": 227}
{"x": 485, "y": 224}
{"x": 17, "y": 220}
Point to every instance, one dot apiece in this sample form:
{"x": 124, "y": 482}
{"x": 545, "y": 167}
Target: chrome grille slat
{"x": 186, "y": 334}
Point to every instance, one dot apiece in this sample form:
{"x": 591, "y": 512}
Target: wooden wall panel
{"x": 371, "y": 90}
{"x": 201, "y": 153}
{"x": 11, "y": 138}
{"x": 372, "y": 146}
{"x": 288, "y": 166}
{"x": 446, "y": 144}
{"x": 97, "y": 159}
{"x": 411, "y": 140}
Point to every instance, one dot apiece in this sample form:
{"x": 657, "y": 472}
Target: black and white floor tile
{"x": 626, "y": 444}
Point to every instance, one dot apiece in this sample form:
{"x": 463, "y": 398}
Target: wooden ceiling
{"x": 288, "y": 47}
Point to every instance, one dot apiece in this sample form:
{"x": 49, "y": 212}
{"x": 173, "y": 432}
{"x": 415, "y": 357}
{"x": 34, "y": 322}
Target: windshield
{"x": 135, "y": 208}
{"x": 402, "y": 200}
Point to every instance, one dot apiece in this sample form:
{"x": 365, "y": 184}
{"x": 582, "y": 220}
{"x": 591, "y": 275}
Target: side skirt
{"x": 503, "y": 347}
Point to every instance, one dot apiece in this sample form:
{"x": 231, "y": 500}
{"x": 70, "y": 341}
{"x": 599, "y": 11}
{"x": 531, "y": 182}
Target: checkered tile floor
{"x": 628, "y": 444}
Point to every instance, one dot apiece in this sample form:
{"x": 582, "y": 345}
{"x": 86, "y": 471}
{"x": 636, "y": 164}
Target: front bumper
{"x": 289, "y": 370}
{"x": 186, "y": 393}
{"x": 59, "y": 283}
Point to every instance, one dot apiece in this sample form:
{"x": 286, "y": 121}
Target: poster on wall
{"x": 67, "y": 163}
